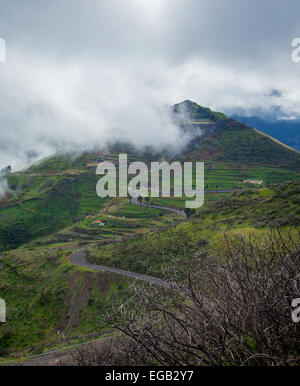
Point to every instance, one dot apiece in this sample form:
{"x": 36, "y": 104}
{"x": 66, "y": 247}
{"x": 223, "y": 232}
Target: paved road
{"x": 53, "y": 357}
{"x": 62, "y": 355}
{"x": 220, "y": 191}
{"x": 180, "y": 212}
{"x": 79, "y": 260}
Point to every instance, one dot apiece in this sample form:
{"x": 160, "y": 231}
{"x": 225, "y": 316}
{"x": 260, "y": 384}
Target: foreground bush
{"x": 230, "y": 307}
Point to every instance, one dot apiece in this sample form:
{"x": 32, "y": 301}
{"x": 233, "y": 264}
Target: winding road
{"x": 174, "y": 210}
{"x": 178, "y": 211}
{"x": 134, "y": 200}
{"x": 79, "y": 259}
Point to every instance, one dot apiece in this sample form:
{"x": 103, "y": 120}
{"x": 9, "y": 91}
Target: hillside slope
{"x": 247, "y": 211}
{"x": 285, "y": 130}
{"x": 217, "y": 137}
{"x": 58, "y": 191}
{"x": 46, "y": 294}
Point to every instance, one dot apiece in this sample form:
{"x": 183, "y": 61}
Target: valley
{"x": 52, "y": 212}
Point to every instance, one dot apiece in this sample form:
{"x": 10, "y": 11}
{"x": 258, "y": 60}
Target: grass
{"x": 252, "y": 210}
{"x": 48, "y": 211}
{"x": 46, "y": 220}
{"x": 47, "y": 203}
{"x": 45, "y": 294}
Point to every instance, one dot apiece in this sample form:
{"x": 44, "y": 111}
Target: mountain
{"x": 52, "y": 210}
{"x": 218, "y": 137}
{"x": 58, "y": 191}
{"x": 286, "y": 131}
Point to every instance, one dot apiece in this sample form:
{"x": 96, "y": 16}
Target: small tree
{"x": 140, "y": 199}
{"x": 189, "y": 212}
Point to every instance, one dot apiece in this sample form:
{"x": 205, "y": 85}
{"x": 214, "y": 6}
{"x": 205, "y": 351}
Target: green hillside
{"x": 59, "y": 192}
{"x": 54, "y": 193}
{"x": 247, "y": 211}
{"x": 46, "y": 294}
{"x": 228, "y": 140}
{"x": 52, "y": 210}
{"x": 45, "y": 204}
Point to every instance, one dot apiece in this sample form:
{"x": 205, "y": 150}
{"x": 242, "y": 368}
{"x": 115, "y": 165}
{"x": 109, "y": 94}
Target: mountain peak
{"x": 189, "y": 110}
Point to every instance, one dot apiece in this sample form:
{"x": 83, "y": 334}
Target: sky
{"x": 81, "y": 73}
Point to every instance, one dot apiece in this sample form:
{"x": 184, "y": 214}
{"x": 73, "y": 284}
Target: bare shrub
{"x": 227, "y": 307}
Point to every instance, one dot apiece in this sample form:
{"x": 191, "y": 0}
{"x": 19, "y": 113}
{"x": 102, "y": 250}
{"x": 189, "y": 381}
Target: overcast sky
{"x": 82, "y": 72}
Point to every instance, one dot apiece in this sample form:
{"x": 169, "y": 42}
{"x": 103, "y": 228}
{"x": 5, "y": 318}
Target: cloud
{"x": 4, "y": 188}
{"x": 49, "y": 107}
{"x": 81, "y": 73}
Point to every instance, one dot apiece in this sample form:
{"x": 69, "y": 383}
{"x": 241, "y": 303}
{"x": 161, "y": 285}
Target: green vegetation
{"x": 45, "y": 209}
{"x": 46, "y": 295}
{"x": 53, "y": 207}
{"x": 239, "y": 143}
{"x": 246, "y": 211}
{"x": 197, "y": 113}
{"x": 46, "y": 203}
{"x": 229, "y": 140}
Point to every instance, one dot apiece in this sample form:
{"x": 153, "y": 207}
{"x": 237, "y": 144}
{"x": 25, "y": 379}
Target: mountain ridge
{"x": 223, "y": 138}
{"x": 285, "y": 130}
{"x": 52, "y": 194}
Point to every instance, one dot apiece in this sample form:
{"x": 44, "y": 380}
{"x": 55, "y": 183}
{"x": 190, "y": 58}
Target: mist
{"x": 4, "y": 188}
{"x": 82, "y": 106}
{"x": 81, "y": 74}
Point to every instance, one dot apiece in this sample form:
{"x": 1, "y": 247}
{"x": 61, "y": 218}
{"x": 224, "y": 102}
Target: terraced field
{"x": 46, "y": 294}
{"x": 51, "y": 209}
{"x": 52, "y": 199}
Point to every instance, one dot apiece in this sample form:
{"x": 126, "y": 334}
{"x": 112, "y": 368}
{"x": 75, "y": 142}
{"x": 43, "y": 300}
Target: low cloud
{"x": 4, "y": 188}
{"x": 80, "y": 74}
{"x": 49, "y": 107}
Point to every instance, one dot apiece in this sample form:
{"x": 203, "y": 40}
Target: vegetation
{"x": 225, "y": 307}
{"x": 52, "y": 211}
{"x": 191, "y": 110}
{"x": 246, "y": 211}
{"x": 46, "y": 296}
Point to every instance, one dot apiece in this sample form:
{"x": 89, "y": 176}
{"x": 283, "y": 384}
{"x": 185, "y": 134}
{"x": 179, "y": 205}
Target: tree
{"x": 189, "y": 212}
{"x": 140, "y": 199}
